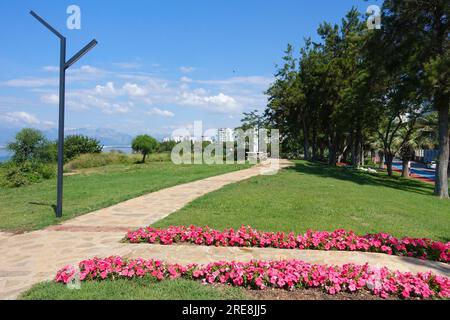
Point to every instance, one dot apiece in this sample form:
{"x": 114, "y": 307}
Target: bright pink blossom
{"x": 312, "y": 240}
{"x": 287, "y": 275}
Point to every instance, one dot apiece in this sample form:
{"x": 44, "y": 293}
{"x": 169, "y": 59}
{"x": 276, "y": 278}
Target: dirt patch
{"x": 308, "y": 294}
{"x": 302, "y": 294}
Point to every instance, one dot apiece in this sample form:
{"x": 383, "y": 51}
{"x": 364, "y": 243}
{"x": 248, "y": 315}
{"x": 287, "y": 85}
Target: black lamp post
{"x": 63, "y": 66}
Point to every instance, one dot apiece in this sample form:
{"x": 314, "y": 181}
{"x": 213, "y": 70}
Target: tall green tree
{"x": 252, "y": 120}
{"x": 31, "y": 145}
{"x": 145, "y": 145}
{"x": 418, "y": 33}
{"x": 285, "y": 102}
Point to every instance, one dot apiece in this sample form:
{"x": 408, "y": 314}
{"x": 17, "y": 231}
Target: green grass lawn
{"x": 307, "y": 196}
{"x": 318, "y": 197}
{"x": 32, "y": 207}
{"x": 136, "y": 289}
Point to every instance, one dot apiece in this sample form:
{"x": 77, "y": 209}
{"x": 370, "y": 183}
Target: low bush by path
{"x": 96, "y": 160}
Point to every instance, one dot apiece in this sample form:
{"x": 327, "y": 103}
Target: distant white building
{"x": 179, "y": 139}
{"x": 225, "y": 135}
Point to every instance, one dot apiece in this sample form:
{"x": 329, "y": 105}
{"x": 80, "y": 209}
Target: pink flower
{"x": 274, "y": 274}
{"x": 315, "y": 240}
{"x": 260, "y": 283}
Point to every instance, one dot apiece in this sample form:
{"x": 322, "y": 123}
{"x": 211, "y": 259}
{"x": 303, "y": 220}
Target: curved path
{"x": 34, "y": 257}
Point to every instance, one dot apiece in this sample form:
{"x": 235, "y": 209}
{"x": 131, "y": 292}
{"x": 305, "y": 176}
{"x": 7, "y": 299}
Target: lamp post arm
{"x": 80, "y": 54}
{"x": 46, "y": 24}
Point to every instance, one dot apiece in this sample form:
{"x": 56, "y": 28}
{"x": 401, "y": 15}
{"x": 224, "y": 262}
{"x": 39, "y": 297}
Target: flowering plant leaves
{"x": 340, "y": 240}
{"x": 289, "y": 274}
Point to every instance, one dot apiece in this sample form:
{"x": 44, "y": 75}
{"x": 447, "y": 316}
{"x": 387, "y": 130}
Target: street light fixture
{"x": 63, "y": 66}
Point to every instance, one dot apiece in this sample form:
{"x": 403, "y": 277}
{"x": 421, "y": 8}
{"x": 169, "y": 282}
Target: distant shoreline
{"x": 126, "y": 149}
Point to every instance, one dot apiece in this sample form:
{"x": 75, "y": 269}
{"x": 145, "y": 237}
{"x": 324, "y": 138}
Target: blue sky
{"x": 159, "y": 65}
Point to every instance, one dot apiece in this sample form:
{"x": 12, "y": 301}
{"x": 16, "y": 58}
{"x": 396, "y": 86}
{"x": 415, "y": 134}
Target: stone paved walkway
{"x": 34, "y": 257}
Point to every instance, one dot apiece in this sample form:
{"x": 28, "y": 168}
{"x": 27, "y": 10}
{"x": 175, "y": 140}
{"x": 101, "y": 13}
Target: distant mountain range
{"x": 107, "y": 137}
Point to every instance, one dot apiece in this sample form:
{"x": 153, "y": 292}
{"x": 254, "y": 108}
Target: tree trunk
{"x": 389, "y": 159}
{"x": 357, "y": 150}
{"x": 144, "y": 157}
{"x": 448, "y": 171}
{"x": 363, "y": 156}
{"x": 306, "y": 148}
{"x": 315, "y": 155}
{"x": 305, "y": 141}
{"x": 405, "y": 169}
{"x": 331, "y": 154}
{"x": 381, "y": 156}
{"x": 441, "y": 185}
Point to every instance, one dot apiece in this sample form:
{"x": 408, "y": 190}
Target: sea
{"x": 5, "y": 155}
{"x": 123, "y": 149}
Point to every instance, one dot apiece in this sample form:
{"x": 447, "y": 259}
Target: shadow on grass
{"x": 348, "y": 174}
{"x": 43, "y": 204}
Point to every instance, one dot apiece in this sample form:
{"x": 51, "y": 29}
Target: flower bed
{"x": 312, "y": 240}
{"x": 274, "y": 274}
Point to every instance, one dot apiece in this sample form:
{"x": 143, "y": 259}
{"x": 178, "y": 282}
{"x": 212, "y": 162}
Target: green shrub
{"x": 99, "y": 160}
{"x": 31, "y": 145}
{"x": 104, "y": 159}
{"x": 14, "y": 178}
{"x": 167, "y": 146}
{"x": 47, "y": 171}
{"x": 17, "y": 175}
{"x": 76, "y": 145}
{"x": 159, "y": 157}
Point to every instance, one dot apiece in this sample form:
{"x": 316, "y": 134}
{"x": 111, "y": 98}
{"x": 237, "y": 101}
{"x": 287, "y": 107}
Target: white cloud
{"x": 50, "y": 98}
{"x": 107, "y": 90}
{"x": 86, "y": 73}
{"x": 251, "y": 80}
{"x": 82, "y": 74}
{"x": 30, "y": 82}
{"x": 135, "y": 90}
{"x": 15, "y": 102}
{"x": 185, "y": 79}
{"x": 19, "y": 117}
{"x": 117, "y": 108}
{"x": 116, "y": 91}
{"x": 161, "y": 113}
{"x": 76, "y": 105}
{"x": 49, "y": 123}
{"x": 87, "y": 69}
{"x": 187, "y": 69}
{"x": 220, "y": 103}
{"x": 127, "y": 65}
{"x": 221, "y": 100}
{"x": 84, "y": 100}
{"x": 50, "y": 68}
